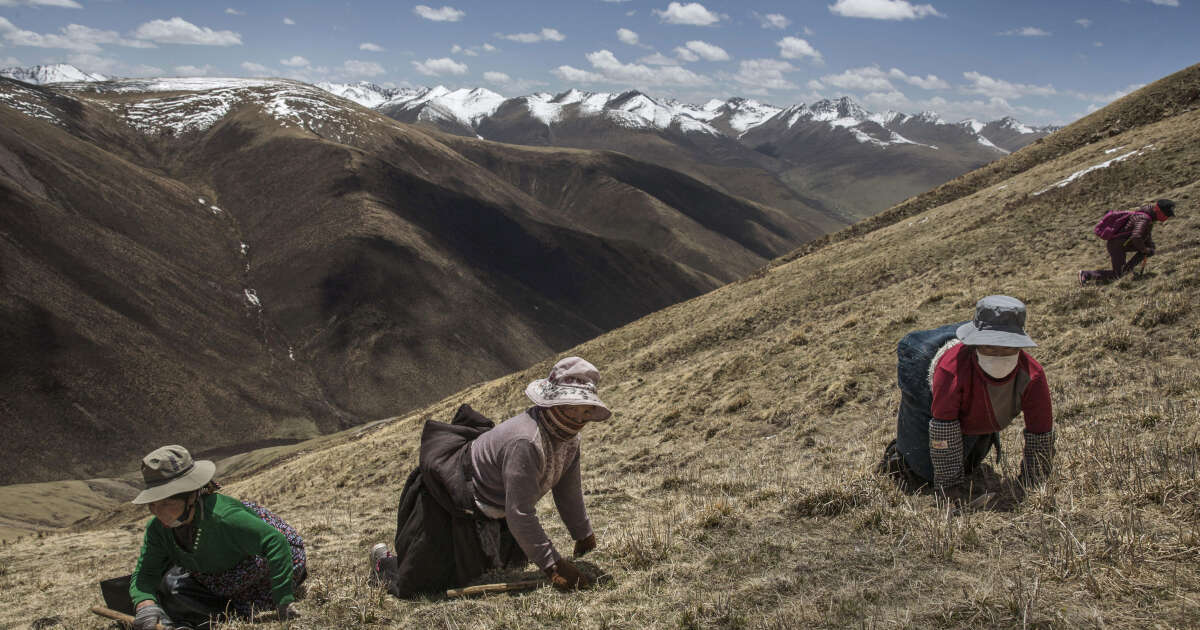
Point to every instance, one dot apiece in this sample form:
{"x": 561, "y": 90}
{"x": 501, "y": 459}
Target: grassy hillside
{"x": 733, "y": 487}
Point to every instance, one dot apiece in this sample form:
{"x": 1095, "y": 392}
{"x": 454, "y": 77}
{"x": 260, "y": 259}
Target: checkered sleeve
{"x": 946, "y": 452}
{"x": 1039, "y": 457}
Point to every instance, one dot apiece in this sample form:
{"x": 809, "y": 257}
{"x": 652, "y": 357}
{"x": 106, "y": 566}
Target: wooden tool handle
{"x": 502, "y": 587}
{"x": 119, "y": 616}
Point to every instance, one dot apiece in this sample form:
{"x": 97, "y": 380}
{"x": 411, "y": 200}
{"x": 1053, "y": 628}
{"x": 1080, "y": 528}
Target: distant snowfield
{"x": 28, "y": 102}
{"x": 1077, "y": 174}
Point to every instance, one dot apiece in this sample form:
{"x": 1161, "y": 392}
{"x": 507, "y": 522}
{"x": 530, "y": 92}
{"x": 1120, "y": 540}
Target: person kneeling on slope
{"x": 1133, "y": 235}
{"x": 960, "y": 385}
{"x": 469, "y": 507}
{"x": 206, "y": 555}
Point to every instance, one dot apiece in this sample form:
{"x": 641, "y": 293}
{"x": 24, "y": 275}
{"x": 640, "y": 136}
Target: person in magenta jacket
{"x": 1135, "y": 236}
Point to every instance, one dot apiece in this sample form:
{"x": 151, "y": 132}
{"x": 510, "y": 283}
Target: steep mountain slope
{"x": 731, "y": 487}
{"x": 223, "y": 261}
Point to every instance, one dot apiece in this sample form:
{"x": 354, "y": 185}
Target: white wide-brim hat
{"x": 572, "y": 381}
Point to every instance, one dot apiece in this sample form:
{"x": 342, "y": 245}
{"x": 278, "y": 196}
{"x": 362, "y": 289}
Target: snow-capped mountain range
{"x": 469, "y": 108}
{"x": 56, "y": 73}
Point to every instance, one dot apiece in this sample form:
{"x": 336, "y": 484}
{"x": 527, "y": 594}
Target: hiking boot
{"x": 378, "y": 554}
{"x": 1082, "y": 279}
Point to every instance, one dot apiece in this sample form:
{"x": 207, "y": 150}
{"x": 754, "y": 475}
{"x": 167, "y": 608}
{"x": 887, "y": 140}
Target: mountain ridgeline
{"x": 218, "y": 262}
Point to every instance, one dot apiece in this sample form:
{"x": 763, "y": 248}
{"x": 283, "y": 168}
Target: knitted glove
{"x": 565, "y": 576}
{"x": 946, "y": 453}
{"x": 1038, "y": 459}
{"x": 150, "y": 617}
{"x": 288, "y": 611}
{"x": 585, "y": 545}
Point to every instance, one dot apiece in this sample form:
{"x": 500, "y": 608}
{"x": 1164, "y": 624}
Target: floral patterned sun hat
{"x": 572, "y": 381}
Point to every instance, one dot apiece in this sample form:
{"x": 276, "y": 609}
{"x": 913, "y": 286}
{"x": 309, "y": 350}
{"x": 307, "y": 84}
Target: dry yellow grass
{"x": 733, "y": 487}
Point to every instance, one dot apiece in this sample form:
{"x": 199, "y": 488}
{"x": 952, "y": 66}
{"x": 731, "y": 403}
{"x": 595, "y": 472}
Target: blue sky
{"x": 1039, "y": 61}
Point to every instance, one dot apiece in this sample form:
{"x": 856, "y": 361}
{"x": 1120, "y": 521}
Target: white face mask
{"x": 998, "y": 367}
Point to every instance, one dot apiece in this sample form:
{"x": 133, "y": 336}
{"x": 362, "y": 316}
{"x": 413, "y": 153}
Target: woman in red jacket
{"x": 1134, "y": 237}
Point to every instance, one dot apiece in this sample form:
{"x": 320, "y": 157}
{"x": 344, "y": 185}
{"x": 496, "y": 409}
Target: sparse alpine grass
{"x": 733, "y": 488}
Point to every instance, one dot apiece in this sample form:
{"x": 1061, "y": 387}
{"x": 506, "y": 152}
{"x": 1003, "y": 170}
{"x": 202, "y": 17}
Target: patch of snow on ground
{"x": 252, "y": 298}
{"x": 1114, "y": 150}
{"x": 28, "y": 102}
{"x": 191, "y": 84}
{"x": 988, "y": 143}
{"x": 688, "y": 124}
{"x": 1077, "y": 174}
{"x": 543, "y": 109}
{"x": 201, "y": 201}
{"x": 215, "y": 210}
{"x": 245, "y": 249}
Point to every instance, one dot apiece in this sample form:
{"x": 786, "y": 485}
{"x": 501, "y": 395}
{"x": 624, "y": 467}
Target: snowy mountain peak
{"x": 931, "y": 117}
{"x": 366, "y": 93}
{"x": 55, "y": 73}
{"x": 1008, "y": 122}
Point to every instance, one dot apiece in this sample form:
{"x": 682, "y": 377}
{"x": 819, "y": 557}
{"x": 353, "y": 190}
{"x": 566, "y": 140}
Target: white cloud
{"x": 444, "y": 14}
{"x": 708, "y": 51}
{"x": 438, "y": 67}
{"x": 358, "y": 68}
{"x": 575, "y": 75}
{"x": 627, "y": 36}
{"x": 765, "y": 73}
{"x": 659, "y": 59}
{"x": 865, "y": 79}
{"x": 685, "y": 54}
{"x": 1026, "y": 31}
{"x": 609, "y": 69}
{"x": 616, "y": 1}
{"x": 256, "y": 68}
{"x": 1165, "y": 3}
{"x": 65, "y": 4}
{"x": 289, "y": 21}
{"x": 295, "y": 62}
{"x": 193, "y": 71}
{"x": 928, "y": 82}
{"x": 547, "y": 34}
{"x": 692, "y": 13}
{"x": 70, "y": 37}
{"x": 179, "y": 31}
{"x": 999, "y": 88}
{"x": 455, "y": 49}
{"x": 371, "y": 47}
{"x": 233, "y": 11}
{"x": 496, "y": 77}
{"x": 773, "y": 20}
{"x": 1084, "y": 22}
{"x": 796, "y": 48}
{"x": 1109, "y": 97}
{"x": 489, "y": 48}
{"x": 883, "y": 9}
{"x": 1098, "y": 44}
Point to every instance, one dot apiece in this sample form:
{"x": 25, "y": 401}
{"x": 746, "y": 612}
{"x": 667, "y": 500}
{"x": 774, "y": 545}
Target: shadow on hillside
{"x": 599, "y": 577}
{"x": 990, "y": 491}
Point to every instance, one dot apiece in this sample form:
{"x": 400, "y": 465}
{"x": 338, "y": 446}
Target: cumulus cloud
{"x": 255, "y": 68}
{"x": 883, "y": 9}
{"x": 496, "y": 77}
{"x": 112, "y": 67}
{"x": 439, "y": 67}
{"x": 233, "y": 11}
{"x": 444, "y": 14}
{"x": 489, "y": 48}
{"x": 179, "y": 31}
{"x": 1026, "y": 31}
{"x": 928, "y": 82}
{"x": 1165, "y": 3}
{"x": 193, "y": 71}
{"x": 692, "y": 13}
{"x": 64, "y": 4}
{"x": 371, "y": 47}
{"x": 765, "y": 73}
{"x": 707, "y": 51}
{"x": 796, "y": 48}
{"x": 74, "y": 37}
{"x": 773, "y": 20}
{"x": 659, "y": 59}
{"x": 546, "y": 34}
{"x": 1084, "y": 22}
{"x": 295, "y": 62}
{"x": 685, "y": 54}
{"x": 627, "y": 36}
{"x": 357, "y": 68}
{"x": 608, "y": 69}
{"x": 865, "y": 79}
{"x": 999, "y": 88}
{"x": 289, "y": 21}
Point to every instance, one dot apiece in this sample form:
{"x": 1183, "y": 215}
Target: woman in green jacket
{"x": 206, "y": 554}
